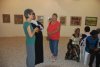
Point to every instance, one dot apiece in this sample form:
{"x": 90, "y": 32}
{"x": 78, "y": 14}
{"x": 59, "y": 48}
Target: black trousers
{"x": 92, "y": 57}
{"x": 39, "y": 55}
{"x": 98, "y": 60}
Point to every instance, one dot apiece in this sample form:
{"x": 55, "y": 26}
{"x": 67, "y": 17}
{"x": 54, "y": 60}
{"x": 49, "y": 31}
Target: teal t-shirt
{"x": 29, "y": 40}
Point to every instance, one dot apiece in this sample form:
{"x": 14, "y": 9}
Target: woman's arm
{"x": 55, "y": 31}
{"x": 31, "y": 33}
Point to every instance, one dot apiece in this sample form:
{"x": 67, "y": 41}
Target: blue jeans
{"x": 54, "y": 47}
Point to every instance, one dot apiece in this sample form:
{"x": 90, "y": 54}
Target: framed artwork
{"x": 40, "y": 19}
{"x": 18, "y": 19}
{"x": 63, "y": 20}
{"x": 91, "y": 21}
{"x": 6, "y": 18}
{"x": 75, "y": 21}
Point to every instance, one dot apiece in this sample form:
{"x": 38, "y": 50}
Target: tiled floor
{"x": 13, "y": 54}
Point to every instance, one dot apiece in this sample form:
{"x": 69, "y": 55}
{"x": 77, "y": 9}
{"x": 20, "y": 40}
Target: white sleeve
{"x": 72, "y": 38}
{"x": 41, "y": 27}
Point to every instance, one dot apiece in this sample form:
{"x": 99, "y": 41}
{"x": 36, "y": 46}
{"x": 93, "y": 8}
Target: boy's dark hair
{"x": 55, "y": 14}
{"x": 87, "y": 29}
{"x": 27, "y": 12}
{"x": 94, "y": 32}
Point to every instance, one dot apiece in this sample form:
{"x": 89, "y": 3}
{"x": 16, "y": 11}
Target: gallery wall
{"x": 45, "y": 8}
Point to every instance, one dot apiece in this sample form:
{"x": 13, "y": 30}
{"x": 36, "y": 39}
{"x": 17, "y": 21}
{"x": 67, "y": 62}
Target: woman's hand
{"x": 36, "y": 29}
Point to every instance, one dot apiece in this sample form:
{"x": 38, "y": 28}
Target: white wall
{"x": 46, "y": 8}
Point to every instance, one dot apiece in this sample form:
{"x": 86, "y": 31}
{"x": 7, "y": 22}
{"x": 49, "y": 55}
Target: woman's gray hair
{"x": 27, "y": 12}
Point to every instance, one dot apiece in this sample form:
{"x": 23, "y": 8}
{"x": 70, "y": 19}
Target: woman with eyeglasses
{"x": 39, "y": 58}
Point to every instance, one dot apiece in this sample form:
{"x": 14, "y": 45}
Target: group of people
{"x": 34, "y": 41}
{"x": 34, "y": 38}
{"x": 84, "y": 47}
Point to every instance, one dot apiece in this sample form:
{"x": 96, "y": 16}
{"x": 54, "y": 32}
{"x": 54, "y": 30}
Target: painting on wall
{"x": 75, "y": 21}
{"x": 18, "y": 19}
{"x": 6, "y": 18}
{"x": 40, "y": 19}
{"x": 63, "y": 20}
{"x": 91, "y": 21}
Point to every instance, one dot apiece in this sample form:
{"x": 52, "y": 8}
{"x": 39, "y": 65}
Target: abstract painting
{"x": 18, "y": 19}
{"x": 63, "y": 20}
{"x": 91, "y": 21}
{"x": 75, "y": 21}
{"x": 6, "y": 18}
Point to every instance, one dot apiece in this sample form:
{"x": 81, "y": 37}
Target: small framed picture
{"x": 63, "y": 20}
{"x": 91, "y": 21}
{"x": 40, "y": 19}
{"x": 18, "y": 19}
{"x": 6, "y": 18}
{"x": 75, "y": 21}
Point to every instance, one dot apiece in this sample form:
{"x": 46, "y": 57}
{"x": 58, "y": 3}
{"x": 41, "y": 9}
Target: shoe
{"x": 77, "y": 59}
{"x": 54, "y": 59}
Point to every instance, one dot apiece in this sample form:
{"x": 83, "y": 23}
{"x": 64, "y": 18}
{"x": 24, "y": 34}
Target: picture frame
{"x": 18, "y": 19}
{"x": 75, "y": 21}
{"x": 63, "y": 20}
{"x": 91, "y": 21}
{"x": 40, "y": 19}
{"x": 6, "y": 18}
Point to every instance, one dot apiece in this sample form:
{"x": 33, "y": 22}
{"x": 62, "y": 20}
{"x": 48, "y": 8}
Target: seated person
{"x": 73, "y": 46}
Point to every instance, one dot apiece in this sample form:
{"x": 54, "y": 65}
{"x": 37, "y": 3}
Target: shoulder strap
{"x": 83, "y": 41}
